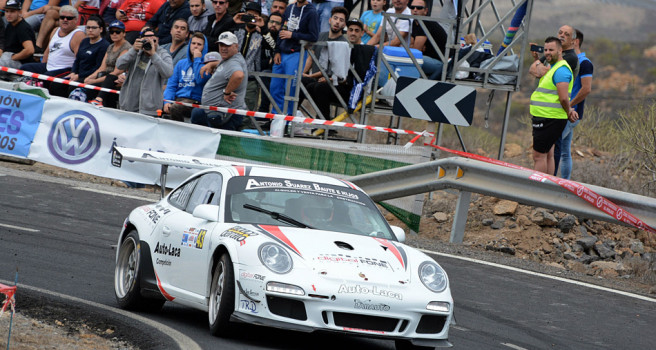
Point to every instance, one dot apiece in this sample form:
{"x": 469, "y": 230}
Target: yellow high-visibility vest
{"x": 544, "y": 100}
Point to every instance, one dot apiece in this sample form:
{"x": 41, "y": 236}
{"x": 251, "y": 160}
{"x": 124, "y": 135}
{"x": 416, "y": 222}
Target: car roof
{"x": 282, "y": 173}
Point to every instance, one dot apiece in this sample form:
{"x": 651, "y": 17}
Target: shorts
{"x": 545, "y": 132}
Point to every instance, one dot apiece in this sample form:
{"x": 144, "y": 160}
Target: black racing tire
{"x": 222, "y": 297}
{"x": 402, "y": 344}
{"x": 127, "y": 277}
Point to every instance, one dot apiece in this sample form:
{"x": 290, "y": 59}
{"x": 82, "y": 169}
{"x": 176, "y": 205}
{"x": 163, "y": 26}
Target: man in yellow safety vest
{"x": 550, "y": 107}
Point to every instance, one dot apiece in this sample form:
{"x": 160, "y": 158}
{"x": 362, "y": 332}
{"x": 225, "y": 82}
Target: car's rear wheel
{"x": 402, "y": 344}
{"x": 127, "y": 276}
{"x": 222, "y": 296}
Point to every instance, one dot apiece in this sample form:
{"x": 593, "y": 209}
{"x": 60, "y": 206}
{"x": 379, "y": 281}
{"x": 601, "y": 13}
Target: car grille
{"x": 374, "y": 323}
{"x": 431, "y": 324}
{"x": 287, "y": 307}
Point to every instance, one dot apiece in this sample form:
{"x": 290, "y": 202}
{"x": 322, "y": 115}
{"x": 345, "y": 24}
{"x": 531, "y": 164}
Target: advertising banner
{"x": 20, "y": 114}
{"x": 79, "y": 136}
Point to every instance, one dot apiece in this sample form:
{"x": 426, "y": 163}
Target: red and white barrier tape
{"x": 9, "y": 301}
{"x": 578, "y": 189}
{"x": 55, "y": 80}
{"x": 302, "y": 120}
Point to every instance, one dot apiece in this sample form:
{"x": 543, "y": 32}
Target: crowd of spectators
{"x": 201, "y": 51}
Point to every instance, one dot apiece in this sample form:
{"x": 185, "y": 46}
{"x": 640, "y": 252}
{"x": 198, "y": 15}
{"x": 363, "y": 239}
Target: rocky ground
{"x": 499, "y": 231}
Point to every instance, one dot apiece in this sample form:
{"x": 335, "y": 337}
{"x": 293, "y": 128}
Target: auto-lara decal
{"x": 193, "y": 237}
{"x": 239, "y": 234}
{"x": 276, "y": 234}
{"x": 372, "y": 290}
{"x": 398, "y": 252}
{"x": 169, "y": 250}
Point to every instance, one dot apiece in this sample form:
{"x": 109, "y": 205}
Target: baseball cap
{"x": 115, "y": 24}
{"x": 212, "y": 56}
{"x": 354, "y": 21}
{"x": 13, "y": 4}
{"x": 254, "y": 6}
{"x": 227, "y": 38}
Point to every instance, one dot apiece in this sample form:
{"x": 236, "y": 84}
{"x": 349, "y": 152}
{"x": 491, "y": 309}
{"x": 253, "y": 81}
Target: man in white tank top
{"x": 64, "y": 42}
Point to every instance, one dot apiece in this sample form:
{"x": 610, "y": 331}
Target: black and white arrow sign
{"x": 434, "y": 101}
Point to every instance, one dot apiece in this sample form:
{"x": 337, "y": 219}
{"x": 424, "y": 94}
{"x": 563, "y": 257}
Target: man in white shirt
{"x": 402, "y": 24}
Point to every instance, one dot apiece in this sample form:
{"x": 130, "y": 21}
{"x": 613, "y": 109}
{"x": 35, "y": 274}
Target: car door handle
{"x": 166, "y": 230}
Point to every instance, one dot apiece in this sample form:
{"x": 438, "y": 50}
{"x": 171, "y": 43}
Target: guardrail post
{"x": 460, "y": 217}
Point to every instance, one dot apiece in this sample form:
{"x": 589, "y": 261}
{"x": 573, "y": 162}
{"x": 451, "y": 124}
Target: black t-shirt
{"x": 212, "y": 31}
{"x": 438, "y": 34}
{"x": 15, "y": 36}
{"x": 572, "y": 59}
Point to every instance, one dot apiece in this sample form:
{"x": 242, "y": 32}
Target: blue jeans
{"x": 563, "y": 151}
{"x": 288, "y": 65}
{"x": 215, "y": 120}
{"x": 432, "y": 67}
{"x": 323, "y": 10}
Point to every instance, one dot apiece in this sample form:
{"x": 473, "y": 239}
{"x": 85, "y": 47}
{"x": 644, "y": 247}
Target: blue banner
{"x": 20, "y": 115}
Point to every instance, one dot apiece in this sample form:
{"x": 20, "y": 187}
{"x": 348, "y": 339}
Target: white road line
{"x": 19, "y": 228}
{"x": 459, "y": 328}
{"x": 513, "y": 346}
{"x": 111, "y": 193}
{"x": 538, "y": 274}
{"x": 183, "y": 341}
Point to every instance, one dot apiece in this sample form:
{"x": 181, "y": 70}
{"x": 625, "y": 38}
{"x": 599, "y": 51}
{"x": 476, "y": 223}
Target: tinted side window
{"x": 180, "y": 197}
{"x": 207, "y": 191}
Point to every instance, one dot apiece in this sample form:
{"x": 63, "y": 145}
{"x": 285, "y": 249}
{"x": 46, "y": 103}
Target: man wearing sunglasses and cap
{"x": 226, "y": 87}
{"x": 19, "y": 37}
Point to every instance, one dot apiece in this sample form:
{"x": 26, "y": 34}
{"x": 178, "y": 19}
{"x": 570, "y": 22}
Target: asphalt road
{"x": 62, "y": 238}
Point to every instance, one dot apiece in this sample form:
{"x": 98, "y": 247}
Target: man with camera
{"x": 250, "y": 46}
{"x": 148, "y": 68}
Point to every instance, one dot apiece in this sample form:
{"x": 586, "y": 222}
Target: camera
{"x": 537, "y": 48}
{"x": 248, "y": 18}
{"x": 147, "y": 45}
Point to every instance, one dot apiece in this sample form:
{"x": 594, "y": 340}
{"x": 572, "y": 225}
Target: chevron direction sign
{"x": 434, "y": 101}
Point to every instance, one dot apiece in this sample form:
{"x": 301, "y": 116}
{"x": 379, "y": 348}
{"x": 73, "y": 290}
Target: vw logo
{"x": 74, "y": 137}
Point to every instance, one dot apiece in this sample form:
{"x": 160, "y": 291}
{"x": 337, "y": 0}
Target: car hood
{"x": 345, "y": 256}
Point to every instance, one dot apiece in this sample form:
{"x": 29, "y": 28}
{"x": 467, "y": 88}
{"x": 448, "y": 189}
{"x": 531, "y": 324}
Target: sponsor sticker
{"x": 169, "y": 250}
{"x": 239, "y": 234}
{"x": 252, "y": 276}
{"x": 193, "y": 238}
{"x": 248, "y": 305}
{"x": 368, "y": 305}
{"x": 374, "y": 290}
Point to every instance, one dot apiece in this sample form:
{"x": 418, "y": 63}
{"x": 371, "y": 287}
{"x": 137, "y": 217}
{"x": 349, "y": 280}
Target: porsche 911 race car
{"x": 282, "y": 248}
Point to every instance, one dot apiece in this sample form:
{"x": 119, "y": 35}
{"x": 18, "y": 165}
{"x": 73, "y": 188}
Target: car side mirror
{"x": 399, "y": 233}
{"x": 208, "y": 212}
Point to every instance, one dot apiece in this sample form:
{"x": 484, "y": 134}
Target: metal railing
{"x": 467, "y": 176}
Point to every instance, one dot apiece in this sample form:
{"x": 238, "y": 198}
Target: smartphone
{"x": 246, "y": 18}
{"x": 537, "y": 48}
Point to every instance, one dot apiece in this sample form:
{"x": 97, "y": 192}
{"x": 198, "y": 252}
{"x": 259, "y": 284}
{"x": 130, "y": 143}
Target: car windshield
{"x": 317, "y": 205}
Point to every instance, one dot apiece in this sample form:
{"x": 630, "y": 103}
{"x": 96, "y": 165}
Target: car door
{"x": 187, "y": 236}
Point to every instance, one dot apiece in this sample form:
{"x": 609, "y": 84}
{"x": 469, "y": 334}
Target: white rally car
{"x": 282, "y": 248}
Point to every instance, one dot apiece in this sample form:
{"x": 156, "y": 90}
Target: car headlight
{"x": 275, "y": 258}
{"x": 432, "y": 276}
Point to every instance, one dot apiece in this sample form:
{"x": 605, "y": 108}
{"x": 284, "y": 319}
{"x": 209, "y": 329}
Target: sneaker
{"x": 96, "y": 103}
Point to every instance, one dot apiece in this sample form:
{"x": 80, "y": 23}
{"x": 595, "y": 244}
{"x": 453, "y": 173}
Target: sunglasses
{"x": 115, "y": 31}
{"x": 92, "y": 27}
{"x": 68, "y": 18}
{"x": 417, "y": 7}
{"x": 219, "y": 2}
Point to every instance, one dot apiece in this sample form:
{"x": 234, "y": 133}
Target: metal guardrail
{"x": 469, "y": 176}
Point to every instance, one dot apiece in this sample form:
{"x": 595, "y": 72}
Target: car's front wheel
{"x": 127, "y": 277}
{"x": 222, "y": 296}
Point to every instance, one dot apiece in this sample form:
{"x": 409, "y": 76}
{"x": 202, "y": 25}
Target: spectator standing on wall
{"x": 199, "y": 13}
{"x": 148, "y": 67}
{"x": 268, "y": 51}
{"x": 107, "y": 73}
{"x": 581, "y": 90}
{"x": 550, "y": 107}
{"x": 218, "y": 23}
{"x": 166, "y": 16}
{"x": 19, "y": 38}
{"x": 324, "y": 9}
{"x": 185, "y": 85}
{"x": 372, "y": 19}
{"x": 432, "y": 65}
{"x": 35, "y": 10}
{"x": 250, "y": 46}
{"x": 402, "y": 24}
{"x": 177, "y": 48}
{"x": 300, "y": 22}
{"x": 226, "y": 87}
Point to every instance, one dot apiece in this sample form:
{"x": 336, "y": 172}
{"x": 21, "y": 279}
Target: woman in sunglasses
{"x": 90, "y": 54}
{"x": 107, "y": 73}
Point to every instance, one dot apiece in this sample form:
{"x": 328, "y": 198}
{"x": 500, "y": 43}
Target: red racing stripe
{"x": 276, "y": 232}
{"x": 161, "y": 289}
